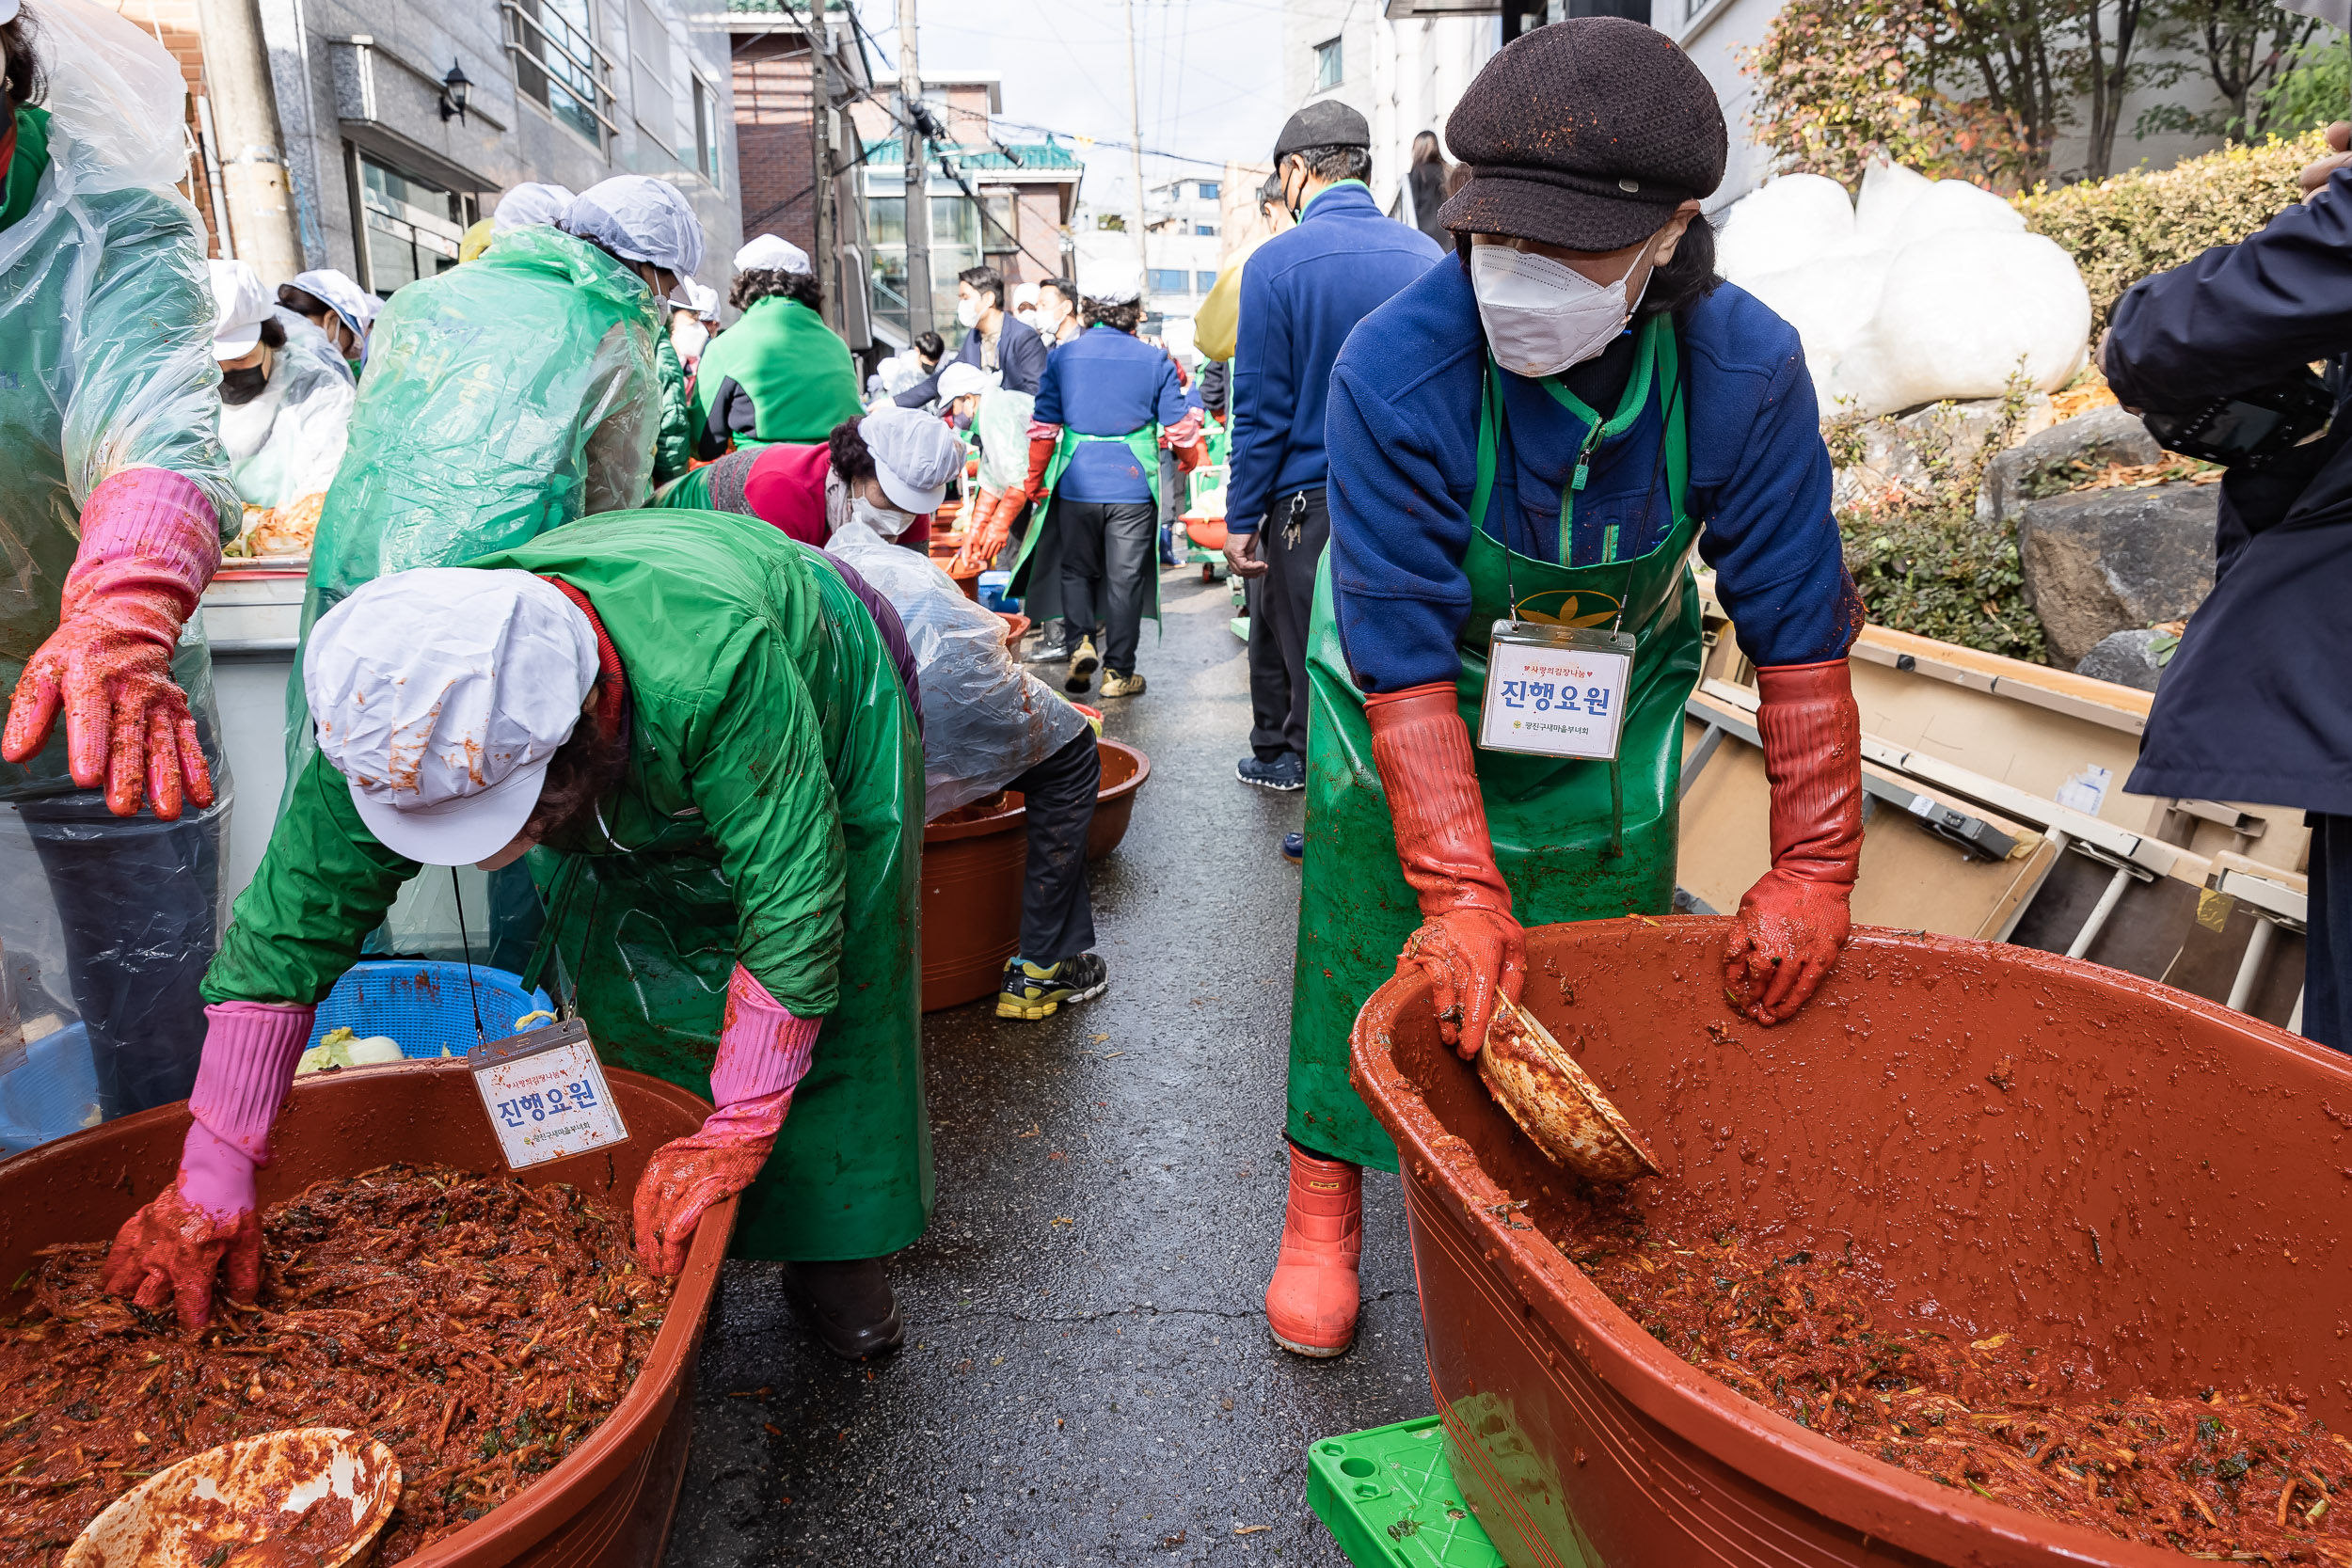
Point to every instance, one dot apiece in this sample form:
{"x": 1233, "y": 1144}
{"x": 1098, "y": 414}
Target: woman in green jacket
{"x": 779, "y": 373}
{"x": 693, "y": 726}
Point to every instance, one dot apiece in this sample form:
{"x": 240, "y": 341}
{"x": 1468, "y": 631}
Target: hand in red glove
{"x": 1042, "y": 449}
{"x": 1467, "y": 944}
{"x": 1191, "y": 457}
{"x": 763, "y": 1051}
{"x": 171, "y": 1249}
{"x": 1793, "y": 921}
{"x": 150, "y": 544}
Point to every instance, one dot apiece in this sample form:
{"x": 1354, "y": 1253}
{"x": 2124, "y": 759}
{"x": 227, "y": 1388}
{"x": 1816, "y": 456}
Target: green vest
{"x": 797, "y": 373}
{"x": 1575, "y": 840}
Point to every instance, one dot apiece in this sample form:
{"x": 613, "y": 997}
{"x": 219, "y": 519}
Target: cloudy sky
{"x": 1208, "y": 75}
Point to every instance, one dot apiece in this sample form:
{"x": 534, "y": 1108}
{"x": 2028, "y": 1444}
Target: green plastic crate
{"x": 1388, "y": 1500}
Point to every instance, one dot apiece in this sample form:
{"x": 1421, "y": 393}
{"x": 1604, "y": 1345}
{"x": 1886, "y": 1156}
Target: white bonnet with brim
{"x": 639, "y": 218}
{"x": 963, "y": 378}
{"x": 1112, "y": 282}
{"x": 915, "y": 456}
{"x": 348, "y": 300}
{"x": 701, "y": 298}
{"x": 530, "y": 203}
{"x": 771, "y": 253}
{"x": 238, "y": 306}
{"x": 440, "y": 694}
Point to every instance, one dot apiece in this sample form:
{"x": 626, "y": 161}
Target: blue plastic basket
{"x": 424, "y": 1005}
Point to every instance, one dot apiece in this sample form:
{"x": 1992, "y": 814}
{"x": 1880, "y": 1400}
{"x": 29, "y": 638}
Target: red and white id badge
{"x": 1556, "y": 692}
{"x": 545, "y": 1095}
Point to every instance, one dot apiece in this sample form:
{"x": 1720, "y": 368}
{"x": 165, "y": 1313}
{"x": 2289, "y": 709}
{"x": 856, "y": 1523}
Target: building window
{"x": 955, "y": 246}
{"x": 1208, "y": 190}
{"x": 999, "y": 229}
{"x": 1170, "y": 280}
{"x": 706, "y": 132}
{"x": 557, "y": 63}
{"x": 408, "y": 229}
{"x": 1207, "y": 231}
{"x": 1204, "y": 281}
{"x": 1328, "y": 70}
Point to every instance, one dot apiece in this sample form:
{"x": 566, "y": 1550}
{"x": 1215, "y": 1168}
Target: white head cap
{"x": 767, "y": 252}
{"x": 439, "y": 695}
{"x": 1113, "y": 282}
{"x": 639, "y": 218}
{"x": 240, "y": 305}
{"x": 528, "y": 204}
{"x": 962, "y": 378}
{"x": 353, "y": 303}
{"x": 915, "y": 456}
{"x": 701, "y": 298}
{"x": 1023, "y": 296}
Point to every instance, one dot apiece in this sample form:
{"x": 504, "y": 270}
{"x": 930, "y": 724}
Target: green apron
{"x": 1037, "y": 582}
{"x": 1575, "y": 839}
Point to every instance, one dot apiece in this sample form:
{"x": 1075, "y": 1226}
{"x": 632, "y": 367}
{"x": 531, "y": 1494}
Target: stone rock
{"x": 2100, "y": 562}
{"x": 1896, "y": 453}
{"x": 2125, "y": 658}
{"x": 2102, "y": 437}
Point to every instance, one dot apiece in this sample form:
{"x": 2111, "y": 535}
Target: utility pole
{"x": 1134, "y": 138}
{"x": 244, "y": 120}
{"x": 918, "y": 219}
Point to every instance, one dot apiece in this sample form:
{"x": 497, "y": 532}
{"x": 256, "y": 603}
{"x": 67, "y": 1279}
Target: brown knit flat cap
{"x": 1586, "y": 133}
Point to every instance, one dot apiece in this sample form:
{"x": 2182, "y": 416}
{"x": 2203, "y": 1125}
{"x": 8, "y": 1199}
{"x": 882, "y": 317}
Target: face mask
{"x": 968, "y": 312}
{"x": 1542, "y": 316}
{"x": 243, "y": 387}
{"x": 688, "y": 337}
{"x": 964, "y": 421}
{"x": 888, "y": 521}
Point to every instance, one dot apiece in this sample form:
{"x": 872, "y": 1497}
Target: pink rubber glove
{"x": 171, "y": 1249}
{"x": 150, "y": 544}
{"x": 763, "y": 1052}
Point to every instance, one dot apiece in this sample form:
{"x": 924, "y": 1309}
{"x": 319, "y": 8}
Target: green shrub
{"x": 2129, "y": 226}
{"x": 1922, "y": 562}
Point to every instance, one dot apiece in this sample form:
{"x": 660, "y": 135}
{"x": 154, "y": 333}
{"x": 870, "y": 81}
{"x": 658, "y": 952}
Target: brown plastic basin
{"x": 2153, "y": 1200}
{"x": 608, "y": 1504}
{"x": 972, "y": 882}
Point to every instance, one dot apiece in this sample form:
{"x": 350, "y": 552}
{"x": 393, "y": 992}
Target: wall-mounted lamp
{"x": 455, "y": 91}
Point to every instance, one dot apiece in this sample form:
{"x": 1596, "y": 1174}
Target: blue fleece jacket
{"x": 1403, "y": 436}
{"x": 1106, "y": 382}
{"x": 1302, "y": 293}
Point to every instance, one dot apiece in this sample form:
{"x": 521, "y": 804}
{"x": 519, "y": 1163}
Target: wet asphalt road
{"x": 1088, "y": 1376}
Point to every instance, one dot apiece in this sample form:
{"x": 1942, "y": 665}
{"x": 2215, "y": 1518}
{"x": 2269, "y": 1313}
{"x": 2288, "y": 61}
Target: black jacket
{"x": 1020, "y": 359}
{"x": 2255, "y": 706}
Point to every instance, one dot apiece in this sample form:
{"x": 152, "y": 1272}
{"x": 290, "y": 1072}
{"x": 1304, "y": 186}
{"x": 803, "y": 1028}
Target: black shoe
{"x": 848, "y": 1306}
{"x": 1286, "y": 773}
{"x": 1033, "y": 991}
{"x": 1294, "y": 848}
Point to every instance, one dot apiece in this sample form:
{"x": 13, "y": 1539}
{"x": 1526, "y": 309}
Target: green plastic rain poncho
{"x": 105, "y": 365}
{"x": 771, "y": 815}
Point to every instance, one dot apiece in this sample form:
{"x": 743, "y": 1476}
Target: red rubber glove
{"x": 1793, "y": 921}
{"x": 1191, "y": 457}
{"x": 763, "y": 1051}
{"x": 994, "y": 528}
{"x": 172, "y": 1249}
{"x": 1469, "y": 944}
{"x": 150, "y": 544}
{"x": 1042, "y": 450}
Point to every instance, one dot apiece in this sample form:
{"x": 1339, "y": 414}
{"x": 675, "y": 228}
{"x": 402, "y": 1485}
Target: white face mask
{"x": 690, "y": 337}
{"x": 1542, "y": 316}
{"x": 888, "y": 521}
{"x": 968, "y": 312}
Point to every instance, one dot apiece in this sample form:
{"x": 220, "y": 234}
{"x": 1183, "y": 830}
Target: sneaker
{"x": 1037, "y": 991}
{"x": 1294, "y": 848}
{"x": 1286, "y": 773}
{"x": 1084, "y": 662}
{"x": 1116, "y": 685}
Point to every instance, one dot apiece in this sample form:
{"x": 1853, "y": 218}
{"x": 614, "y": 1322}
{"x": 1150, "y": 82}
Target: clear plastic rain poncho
{"x": 106, "y": 355}
{"x": 286, "y": 444}
{"x": 985, "y": 718}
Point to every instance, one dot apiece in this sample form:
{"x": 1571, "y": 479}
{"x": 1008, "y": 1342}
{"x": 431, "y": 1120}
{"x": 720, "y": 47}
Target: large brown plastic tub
{"x": 972, "y": 882}
{"x": 608, "y": 1504}
{"x": 2155, "y": 1197}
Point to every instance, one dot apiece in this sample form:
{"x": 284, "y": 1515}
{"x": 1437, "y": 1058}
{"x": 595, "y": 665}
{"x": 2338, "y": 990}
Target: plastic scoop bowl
{"x": 305, "y": 1498}
{"x": 1559, "y": 1108}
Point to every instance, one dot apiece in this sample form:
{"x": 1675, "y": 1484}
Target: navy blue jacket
{"x": 1302, "y": 293}
{"x": 1403, "y": 436}
{"x": 1106, "y": 382}
{"x": 1020, "y": 361}
{"x": 2254, "y": 705}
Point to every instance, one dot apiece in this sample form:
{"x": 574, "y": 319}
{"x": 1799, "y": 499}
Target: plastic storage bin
{"x": 1389, "y": 1502}
{"x": 426, "y": 1005}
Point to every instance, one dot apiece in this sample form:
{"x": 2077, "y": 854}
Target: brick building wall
{"x": 172, "y": 23}
{"x": 775, "y": 137}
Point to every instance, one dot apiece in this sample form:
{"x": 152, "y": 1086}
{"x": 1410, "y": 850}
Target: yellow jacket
{"x": 1217, "y": 322}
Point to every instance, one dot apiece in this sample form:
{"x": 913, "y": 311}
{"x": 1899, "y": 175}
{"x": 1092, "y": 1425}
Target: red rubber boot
{"x": 1310, "y": 1302}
